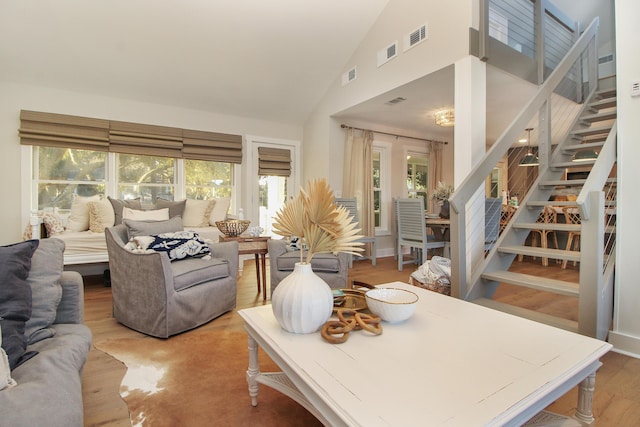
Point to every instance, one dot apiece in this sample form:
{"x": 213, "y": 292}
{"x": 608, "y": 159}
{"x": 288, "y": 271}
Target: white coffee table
{"x": 453, "y": 363}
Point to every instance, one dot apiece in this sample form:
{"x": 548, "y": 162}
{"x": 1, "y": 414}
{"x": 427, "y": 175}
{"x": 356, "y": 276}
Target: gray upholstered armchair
{"x": 161, "y": 298}
{"x": 331, "y": 268}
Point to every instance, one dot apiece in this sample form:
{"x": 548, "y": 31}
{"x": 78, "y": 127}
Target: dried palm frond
{"x": 314, "y": 217}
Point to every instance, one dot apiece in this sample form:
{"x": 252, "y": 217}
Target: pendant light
{"x": 585, "y": 156}
{"x": 529, "y": 159}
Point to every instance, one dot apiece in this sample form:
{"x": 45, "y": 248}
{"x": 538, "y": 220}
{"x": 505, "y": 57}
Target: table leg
{"x": 584, "y": 412}
{"x": 253, "y": 372}
{"x": 257, "y": 272}
{"x": 264, "y": 277}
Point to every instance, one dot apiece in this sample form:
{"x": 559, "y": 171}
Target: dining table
{"x": 439, "y": 226}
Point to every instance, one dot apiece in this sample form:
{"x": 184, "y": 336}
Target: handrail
{"x": 471, "y": 183}
{"x": 599, "y": 172}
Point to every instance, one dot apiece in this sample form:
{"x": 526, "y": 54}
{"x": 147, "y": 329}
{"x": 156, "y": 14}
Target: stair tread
{"x": 542, "y": 203}
{"x": 600, "y": 116}
{"x": 541, "y": 253}
{"x": 551, "y": 226}
{"x": 534, "y": 282}
{"x": 583, "y": 145}
{"x": 563, "y": 165}
{"x": 566, "y": 324}
{"x": 569, "y": 182}
{"x": 591, "y": 131}
{"x": 604, "y": 103}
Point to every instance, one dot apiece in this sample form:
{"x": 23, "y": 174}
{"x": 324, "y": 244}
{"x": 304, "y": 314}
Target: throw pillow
{"x": 146, "y": 228}
{"x": 220, "y": 210}
{"x": 79, "y": 215}
{"x": 46, "y": 291}
{"x": 179, "y": 245}
{"x": 175, "y": 208}
{"x": 151, "y": 215}
{"x": 15, "y": 298}
{"x": 52, "y": 223}
{"x": 5, "y": 371}
{"x": 197, "y": 213}
{"x": 101, "y": 216}
{"x": 118, "y": 205}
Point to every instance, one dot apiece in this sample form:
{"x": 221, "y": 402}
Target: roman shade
{"x": 65, "y": 131}
{"x": 61, "y": 130}
{"x": 147, "y": 140}
{"x": 274, "y": 162}
{"x": 212, "y": 146}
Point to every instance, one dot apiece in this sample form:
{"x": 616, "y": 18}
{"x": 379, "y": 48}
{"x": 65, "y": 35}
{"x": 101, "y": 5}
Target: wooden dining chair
{"x": 350, "y": 204}
{"x": 572, "y": 216}
{"x": 412, "y": 231}
{"x": 547, "y": 216}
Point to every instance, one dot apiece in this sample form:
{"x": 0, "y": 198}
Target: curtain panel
{"x": 65, "y": 131}
{"x": 358, "y": 177}
{"x": 435, "y": 169}
{"x": 274, "y": 162}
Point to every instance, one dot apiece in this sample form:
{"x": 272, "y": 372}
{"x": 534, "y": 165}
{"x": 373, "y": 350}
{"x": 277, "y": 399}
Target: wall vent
{"x": 395, "y": 101}
{"x": 349, "y": 76}
{"x": 415, "y": 37}
{"x": 387, "y": 54}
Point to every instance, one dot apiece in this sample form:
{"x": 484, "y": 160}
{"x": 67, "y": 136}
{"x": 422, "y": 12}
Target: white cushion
{"x": 197, "y": 213}
{"x": 101, "y": 215}
{"x": 220, "y": 209}
{"x": 153, "y": 215}
{"x": 79, "y": 215}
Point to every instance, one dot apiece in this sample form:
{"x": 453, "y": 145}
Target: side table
{"x": 253, "y": 245}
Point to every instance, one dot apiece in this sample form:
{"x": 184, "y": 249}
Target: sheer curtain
{"x": 435, "y": 169}
{"x": 358, "y": 177}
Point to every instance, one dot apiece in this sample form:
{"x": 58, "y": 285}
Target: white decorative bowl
{"x": 391, "y": 304}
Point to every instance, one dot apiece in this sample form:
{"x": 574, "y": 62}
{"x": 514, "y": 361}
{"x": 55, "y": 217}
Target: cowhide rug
{"x": 198, "y": 379}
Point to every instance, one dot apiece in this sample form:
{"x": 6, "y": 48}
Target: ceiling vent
{"x": 349, "y": 76}
{"x": 415, "y": 37}
{"x": 395, "y": 101}
{"x": 387, "y": 54}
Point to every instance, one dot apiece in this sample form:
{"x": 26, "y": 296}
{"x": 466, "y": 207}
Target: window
{"x": 206, "y": 180}
{"x": 62, "y": 173}
{"x": 381, "y": 186}
{"x": 146, "y": 177}
{"x": 418, "y": 176}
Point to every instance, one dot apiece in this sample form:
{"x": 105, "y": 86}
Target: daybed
{"x": 82, "y": 229}
{"x": 49, "y": 387}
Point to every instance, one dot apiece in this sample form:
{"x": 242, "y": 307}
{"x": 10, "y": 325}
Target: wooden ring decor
{"x": 336, "y": 338}
{"x": 337, "y": 331}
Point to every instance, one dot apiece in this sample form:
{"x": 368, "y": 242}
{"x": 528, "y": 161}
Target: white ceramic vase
{"x": 302, "y": 302}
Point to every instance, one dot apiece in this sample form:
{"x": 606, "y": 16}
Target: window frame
{"x": 422, "y": 152}
{"x": 31, "y": 179}
{"x": 385, "y": 150}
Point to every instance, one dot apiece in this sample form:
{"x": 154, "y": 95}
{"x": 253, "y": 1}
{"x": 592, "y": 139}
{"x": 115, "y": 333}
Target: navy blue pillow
{"x": 15, "y": 299}
{"x": 177, "y": 245}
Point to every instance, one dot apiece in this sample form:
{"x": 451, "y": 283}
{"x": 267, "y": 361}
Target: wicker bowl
{"x": 233, "y": 227}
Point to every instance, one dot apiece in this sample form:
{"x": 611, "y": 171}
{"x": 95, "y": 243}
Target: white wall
{"x": 448, "y": 40}
{"x": 626, "y": 331}
{"x": 16, "y": 97}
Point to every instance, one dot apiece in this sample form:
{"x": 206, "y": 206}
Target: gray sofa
{"x": 333, "y": 269}
{"x": 49, "y": 390}
{"x": 158, "y": 297}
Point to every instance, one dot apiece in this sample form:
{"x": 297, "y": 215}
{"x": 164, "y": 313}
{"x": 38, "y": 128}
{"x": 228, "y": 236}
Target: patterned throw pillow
{"x": 178, "y": 245}
{"x": 52, "y": 223}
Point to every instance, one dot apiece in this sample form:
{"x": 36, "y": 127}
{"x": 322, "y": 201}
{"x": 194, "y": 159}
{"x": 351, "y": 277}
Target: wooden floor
{"x": 617, "y": 397}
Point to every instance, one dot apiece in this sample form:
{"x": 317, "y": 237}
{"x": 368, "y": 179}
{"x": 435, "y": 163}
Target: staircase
{"x": 590, "y": 126}
{"x": 590, "y": 132}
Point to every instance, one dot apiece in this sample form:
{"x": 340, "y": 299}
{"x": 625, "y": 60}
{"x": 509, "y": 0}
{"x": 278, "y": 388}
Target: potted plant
{"x": 302, "y": 302}
{"x": 441, "y": 195}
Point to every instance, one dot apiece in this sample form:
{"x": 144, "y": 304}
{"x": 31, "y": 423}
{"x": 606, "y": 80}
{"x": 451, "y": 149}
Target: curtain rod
{"x": 343, "y": 126}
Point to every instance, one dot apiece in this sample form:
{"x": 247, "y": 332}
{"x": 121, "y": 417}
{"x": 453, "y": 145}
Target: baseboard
{"x": 625, "y": 344}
